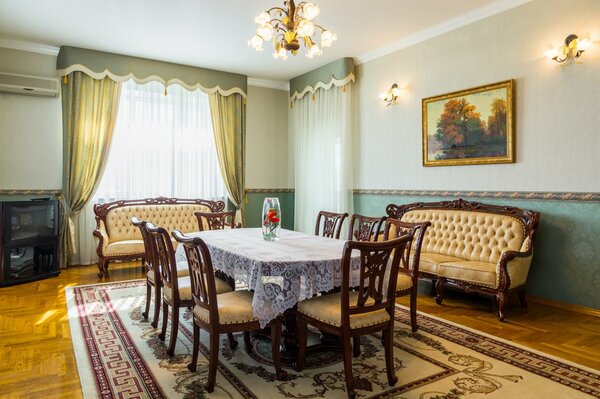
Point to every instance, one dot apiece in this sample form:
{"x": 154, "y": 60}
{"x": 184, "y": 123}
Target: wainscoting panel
{"x": 566, "y": 261}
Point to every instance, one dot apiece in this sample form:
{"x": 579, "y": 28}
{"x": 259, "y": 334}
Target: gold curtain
{"x": 229, "y": 123}
{"x": 89, "y": 114}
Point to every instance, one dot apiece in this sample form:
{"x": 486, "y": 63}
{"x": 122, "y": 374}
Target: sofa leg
{"x": 501, "y": 298}
{"x": 523, "y": 298}
{"x": 439, "y": 290}
{"x": 102, "y": 267}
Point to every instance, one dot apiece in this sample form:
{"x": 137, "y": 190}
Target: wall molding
{"x": 29, "y": 46}
{"x": 511, "y": 195}
{"x": 30, "y": 192}
{"x": 269, "y": 84}
{"x": 268, "y": 190}
{"x": 466, "y": 19}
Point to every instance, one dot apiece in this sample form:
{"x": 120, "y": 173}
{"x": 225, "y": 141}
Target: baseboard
{"x": 566, "y": 306}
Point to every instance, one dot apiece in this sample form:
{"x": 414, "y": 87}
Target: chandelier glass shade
{"x": 289, "y": 28}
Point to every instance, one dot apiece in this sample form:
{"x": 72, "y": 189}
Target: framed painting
{"x": 469, "y": 127}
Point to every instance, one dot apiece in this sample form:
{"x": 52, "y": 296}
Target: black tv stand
{"x": 29, "y": 240}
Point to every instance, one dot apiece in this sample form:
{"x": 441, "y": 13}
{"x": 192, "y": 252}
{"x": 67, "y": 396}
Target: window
{"x": 163, "y": 145}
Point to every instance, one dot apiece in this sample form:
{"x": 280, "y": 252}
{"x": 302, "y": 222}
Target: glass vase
{"x": 271, "y": 219}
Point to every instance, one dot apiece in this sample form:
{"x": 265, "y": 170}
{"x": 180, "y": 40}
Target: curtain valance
{"x": 120, "y": 68}
{"x": 338, "y": 73}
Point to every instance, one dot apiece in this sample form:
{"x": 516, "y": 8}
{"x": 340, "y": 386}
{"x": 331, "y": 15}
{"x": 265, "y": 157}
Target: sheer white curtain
{"x": 163, "y": 145}
{"x": 322, "y": 142}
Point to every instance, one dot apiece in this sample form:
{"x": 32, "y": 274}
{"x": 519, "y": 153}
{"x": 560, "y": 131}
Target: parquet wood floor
{"x": 37, "y": 359}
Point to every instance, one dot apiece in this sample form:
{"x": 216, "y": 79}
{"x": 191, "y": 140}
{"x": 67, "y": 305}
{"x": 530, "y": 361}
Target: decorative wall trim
{"x": 30, "y": 192}
{"x": 513, "y": 195}
{"x": 28, "y": 46}
{"x": 269, "y": 190}
{"x": 269, "y": 84}
{"x": 481, "y": 13}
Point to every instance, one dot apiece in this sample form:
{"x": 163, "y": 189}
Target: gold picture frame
{"x": 470, "y": 127}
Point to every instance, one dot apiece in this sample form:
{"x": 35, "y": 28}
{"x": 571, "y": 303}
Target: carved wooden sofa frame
{"x": 530, "y": 221}
{"x": 103, "y": 210}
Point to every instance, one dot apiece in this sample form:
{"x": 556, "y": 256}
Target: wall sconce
{"x": 573, "y": 48}
{"x": 391, "y": 96}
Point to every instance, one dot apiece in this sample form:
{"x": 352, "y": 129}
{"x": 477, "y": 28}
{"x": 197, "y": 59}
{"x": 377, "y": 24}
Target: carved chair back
{"x": 332, "y": 224}
{"x": 377, "y": 260}
{"x": 365, "y": 228}
{"x": 216, "y": 220}
{"x": 165, "y": 258}
{"x": 202, "y": 275}
{"x": 395, "y": 228}
{"x": 148, "y": 247}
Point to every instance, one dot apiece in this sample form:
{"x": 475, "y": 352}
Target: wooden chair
{"x": 408, "y": 274}
{"x": 350, "y": 314}
{"x": 332, "y": 224}
{"x": 217, "y": 220}
{"x": 365, "y": 228}
{"x": 218, "y": 314}
{"x": 177, "y": 291}
{"x": 153, "y": 277}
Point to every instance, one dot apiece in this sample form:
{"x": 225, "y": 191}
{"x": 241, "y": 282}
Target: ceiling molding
{"x": 437, "y": 30}
{"x": 269, "y": 84}
{"x": 28, "y": 46}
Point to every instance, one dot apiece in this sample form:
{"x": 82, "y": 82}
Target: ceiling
{"x": 213, "y": 33}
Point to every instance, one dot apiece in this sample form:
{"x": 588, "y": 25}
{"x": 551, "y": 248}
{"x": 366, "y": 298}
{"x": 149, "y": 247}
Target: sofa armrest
{"x": 102, "y": 236}
{"x": 513, "y": 267}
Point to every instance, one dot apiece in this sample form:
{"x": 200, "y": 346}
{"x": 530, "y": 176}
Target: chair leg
{"x": 301, "y": 328}
{"x": 157, "y": 301}
{"x": 100, "y": 268}
{"x": 174, "y": 330}
{"x": 163, "y": 331}
{"x": 213, "y": 358}
{"x": 192, "y": 365}
{"x": 413, "y": 310}
{"x": 389, "y": 355}
{"x": 501, "y": 299}
{"x": 247, "y": 342}
{"x": 523, "y": 298}
{"x": 347, "y": 352}
{"x": 148, "y": 299}
{"x": 356, "y": 346}
{"x": 275, "y": 347}
{"x": 232, "y": 342}
{"x": 439, "y": 290}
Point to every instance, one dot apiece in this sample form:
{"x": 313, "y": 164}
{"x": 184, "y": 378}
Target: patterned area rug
{"x": 119, "y": 356}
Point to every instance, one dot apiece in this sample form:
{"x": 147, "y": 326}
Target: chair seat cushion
{"x": 403, "y": 282}
{"x": 185, "y": 288}
{"x": 127, "y": 247}
{"x": 182, "y": 271}
{"x": 429, "y": 261}
{"x": 482, "y": 273}
{"x": 327, "y": 308}
{"x": 234, "y": 308}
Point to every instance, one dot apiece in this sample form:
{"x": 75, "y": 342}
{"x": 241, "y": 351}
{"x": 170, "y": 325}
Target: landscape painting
{"x": 474, "y": 126}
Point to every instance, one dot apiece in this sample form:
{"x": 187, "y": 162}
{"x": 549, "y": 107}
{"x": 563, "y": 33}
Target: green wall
{"x": 253, "y": 213}
{"x": 566, "y": 260}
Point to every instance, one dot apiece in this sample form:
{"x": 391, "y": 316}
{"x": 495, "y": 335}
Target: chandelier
{"x": 289, "y": 27}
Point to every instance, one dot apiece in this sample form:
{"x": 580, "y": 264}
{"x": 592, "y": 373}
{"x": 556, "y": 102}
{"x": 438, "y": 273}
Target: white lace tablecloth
{"x": 280, "y": 273}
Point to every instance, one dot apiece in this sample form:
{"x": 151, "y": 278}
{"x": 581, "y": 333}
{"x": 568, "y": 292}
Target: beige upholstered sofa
{"x": 118, "y": 239}
{"x": 474, "y": 247}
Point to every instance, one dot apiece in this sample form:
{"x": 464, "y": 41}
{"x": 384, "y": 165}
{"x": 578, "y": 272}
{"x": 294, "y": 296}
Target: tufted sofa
{"x": 119, "y": 239}
{"x": 475, "y": 247}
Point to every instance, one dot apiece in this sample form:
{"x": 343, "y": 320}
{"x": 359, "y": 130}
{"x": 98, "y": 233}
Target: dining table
{"x": 280, "y": 273}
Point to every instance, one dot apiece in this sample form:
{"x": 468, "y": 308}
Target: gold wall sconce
{"x": 391, "y": 96}
{"x": 573, "y": 48}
